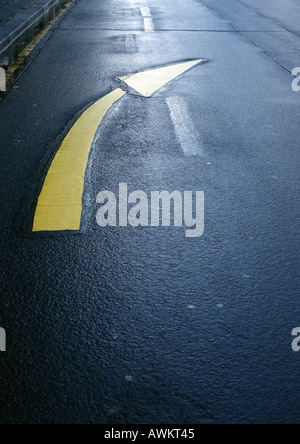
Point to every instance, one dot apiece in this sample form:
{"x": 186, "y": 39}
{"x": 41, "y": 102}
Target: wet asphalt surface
{"x": 141, "y": 325}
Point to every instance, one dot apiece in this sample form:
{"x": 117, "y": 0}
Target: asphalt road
{"x": 141, "y": 325}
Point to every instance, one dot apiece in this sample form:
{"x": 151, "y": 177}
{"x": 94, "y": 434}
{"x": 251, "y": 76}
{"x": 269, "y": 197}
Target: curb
{"x": 22, "y": 28}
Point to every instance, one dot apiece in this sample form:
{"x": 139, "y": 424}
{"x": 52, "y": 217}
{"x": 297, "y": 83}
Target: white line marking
{"x": 148, "y": 24}
{"x": 148, "y": 21}
{"x": 184, "y": 126}
{"x": 145, "y": 12}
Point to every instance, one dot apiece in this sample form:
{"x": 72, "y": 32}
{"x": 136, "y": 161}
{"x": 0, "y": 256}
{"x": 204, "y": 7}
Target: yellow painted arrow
{"x": 59, "y": 206}
{"x": 148, "y": 82}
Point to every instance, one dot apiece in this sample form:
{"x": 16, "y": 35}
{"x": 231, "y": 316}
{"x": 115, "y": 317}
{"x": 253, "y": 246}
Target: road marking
{"x": 59, "y": 206}
{"x": 145, "y": 12}
{"x": 148, "y": 21}
{"x": 184, "y": 126}
{"x": 148, "y": 82}
{"x": 148, "y": 24}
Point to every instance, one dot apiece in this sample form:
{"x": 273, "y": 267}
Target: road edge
{"x": 21, "y": 35}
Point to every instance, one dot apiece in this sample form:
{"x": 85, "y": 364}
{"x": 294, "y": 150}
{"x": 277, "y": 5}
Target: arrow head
{"x": 149, "y": 82}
